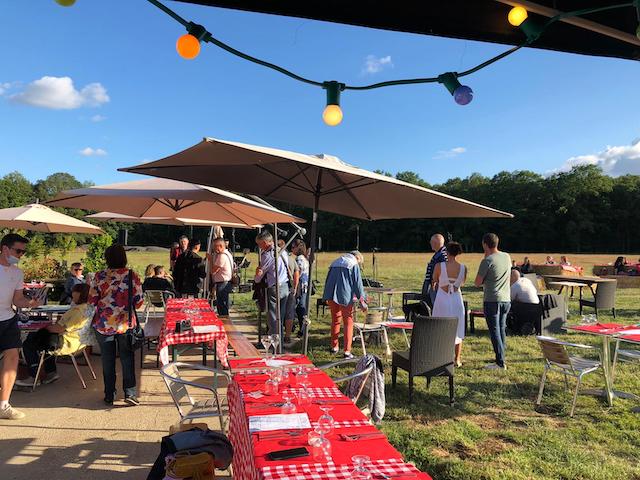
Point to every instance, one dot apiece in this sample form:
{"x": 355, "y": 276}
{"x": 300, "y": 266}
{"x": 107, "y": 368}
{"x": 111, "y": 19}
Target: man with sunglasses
{"x": 75, "y": 278}
{"x": 12, "y": 248}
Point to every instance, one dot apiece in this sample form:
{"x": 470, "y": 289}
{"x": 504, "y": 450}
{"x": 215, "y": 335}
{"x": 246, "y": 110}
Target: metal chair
{"x": 362, "y": 328}
{"x": 604, "y": 297}
{"x": 623, "y": 355}
{"x": 431, "y": 353}
{"x": 364, "y": 374}
{"x": 179, "y": 392}
{"x": 155, "y": 305}
{"x": 557, "y": 358}
{"x": 72, "y": 356}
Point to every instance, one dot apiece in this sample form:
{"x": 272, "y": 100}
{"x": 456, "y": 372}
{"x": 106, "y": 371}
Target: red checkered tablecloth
{"x": 202, "y": 315}
{"x": 602, "y": 328}
{"x": 250, "y": 461}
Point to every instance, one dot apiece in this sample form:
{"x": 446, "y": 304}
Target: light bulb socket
{"x": 531, "y": 29}
{"x": 333, "y": 89}
{"x": 450, "y": 81}
{"x": 197, "y": 31}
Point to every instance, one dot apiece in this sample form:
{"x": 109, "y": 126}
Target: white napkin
{"x": 277, "y": 363}
{"x": 205, "y": 328}
{"x": 635, "y": 331}
{"x": 280, "y": 421}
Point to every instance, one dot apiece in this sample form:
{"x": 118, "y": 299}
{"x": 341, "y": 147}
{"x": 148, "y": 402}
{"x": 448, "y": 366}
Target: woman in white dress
{"x": 449, "y": 277}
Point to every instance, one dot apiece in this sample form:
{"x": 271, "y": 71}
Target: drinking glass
{"x": 266, "y": 343}
{"x": 276, "y": 374}
{"x": 275, "y": 341}
{"x": 360, "y": 472}
{"x": 326, "y": 421}
{"x": 302, "y": 374}
{"x": 304, "y": 395}
{"x": 288, "y": 407}
{"x": 320, "y": 447}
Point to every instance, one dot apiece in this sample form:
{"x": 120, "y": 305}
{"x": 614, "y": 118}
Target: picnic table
{"x": 250, "y": 460}
{"x": 607, "y": 331}
{"x": 206, "y": 329}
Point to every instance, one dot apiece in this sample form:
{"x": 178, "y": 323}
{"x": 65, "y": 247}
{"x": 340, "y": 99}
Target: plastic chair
{"x": 179, "y": 392}
{"x": 431, "y": 353}
{"x": 557, "y": 359}
{"x": 364, "y": 374}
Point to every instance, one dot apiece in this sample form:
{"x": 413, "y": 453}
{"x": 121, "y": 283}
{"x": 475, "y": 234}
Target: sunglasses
{"x": 78, "y": 269}
{"x": 19, "y": 251}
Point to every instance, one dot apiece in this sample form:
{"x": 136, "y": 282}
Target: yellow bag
{"x": 195, "y": 467}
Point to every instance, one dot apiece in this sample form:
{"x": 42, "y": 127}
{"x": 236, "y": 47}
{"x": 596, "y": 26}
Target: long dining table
{"x": 352, "y": 434}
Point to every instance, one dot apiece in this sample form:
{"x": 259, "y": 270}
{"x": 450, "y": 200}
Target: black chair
{"x": 412, "y": 303}
{"x": 604, "y": 297}
{"x": 431, "y": 353}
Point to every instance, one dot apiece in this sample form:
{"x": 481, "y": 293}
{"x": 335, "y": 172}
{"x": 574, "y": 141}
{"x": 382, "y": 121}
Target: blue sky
{"x": 133, "y": 99}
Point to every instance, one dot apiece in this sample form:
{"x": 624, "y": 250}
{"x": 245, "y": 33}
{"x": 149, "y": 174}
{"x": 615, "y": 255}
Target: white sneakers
{"x": 10, "y": 413}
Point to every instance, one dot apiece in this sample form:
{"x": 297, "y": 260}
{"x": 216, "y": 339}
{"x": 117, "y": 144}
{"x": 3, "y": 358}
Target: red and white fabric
{"x": 251, "y": 460}
{"x": 204, "y": 316}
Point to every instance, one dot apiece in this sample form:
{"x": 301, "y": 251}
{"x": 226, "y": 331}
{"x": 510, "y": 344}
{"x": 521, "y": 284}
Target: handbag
{"x": 135, "y": 335}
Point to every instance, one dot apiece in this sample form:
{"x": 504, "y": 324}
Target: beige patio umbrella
{"x": 153, "y": 198}
{"x": 176, "y": 221}
{"x": 321, "y": 182}
{"x": 40, "y": 218}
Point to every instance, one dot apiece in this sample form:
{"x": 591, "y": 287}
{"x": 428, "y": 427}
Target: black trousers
{"x": 36, "y": 343}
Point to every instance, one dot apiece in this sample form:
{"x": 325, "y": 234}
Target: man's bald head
{"x": 437, "y": 242}
{"x": 515, "y": 276}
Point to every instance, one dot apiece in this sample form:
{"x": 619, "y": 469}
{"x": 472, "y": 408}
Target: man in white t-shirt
{"x": 12, "y": 247}
{"x": 522, "y": 289}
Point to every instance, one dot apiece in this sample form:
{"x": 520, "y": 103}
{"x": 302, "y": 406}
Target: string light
{"x": 188, "y": 46}
{"x": 332, "y": 114}
{"x": 517, "y": 15}
{"x": 66, "y": 3}
{"x": 461, "y": 93}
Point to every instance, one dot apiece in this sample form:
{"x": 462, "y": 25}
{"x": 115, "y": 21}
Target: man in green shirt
{"x": 494, "y": 276}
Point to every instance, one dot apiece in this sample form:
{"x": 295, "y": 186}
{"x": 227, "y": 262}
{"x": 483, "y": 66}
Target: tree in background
{"x": 15, "y": 190}
{"x": 94, "y": 261}
{"x": 66, "y": 244}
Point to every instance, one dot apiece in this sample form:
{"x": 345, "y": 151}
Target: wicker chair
{"x": 604, "y": 298}
{"x": 431, "y": 353}
{"x": 557, "y": 358}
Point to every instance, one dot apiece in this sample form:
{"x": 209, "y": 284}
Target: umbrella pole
{"x": 275, "y": 266}
{"x": 312, "y": 257}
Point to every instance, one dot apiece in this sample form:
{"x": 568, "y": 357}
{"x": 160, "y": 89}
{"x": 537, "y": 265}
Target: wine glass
{"x": 277, "y": 375}
{"x": 302, "y": 374}
{"x": 266, "y": 343}
{"x": 326, "y": 420}
{"x": 288, "y": 407}
{"x": 275, "y": 341}
{"x": 304, "y": 395}
{"x": 320, "y": 445}
{"x": 360, "y": 472}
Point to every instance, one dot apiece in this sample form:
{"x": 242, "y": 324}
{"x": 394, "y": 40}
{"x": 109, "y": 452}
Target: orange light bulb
{"x": 188, "y": 46}
{"x": 517, "y": 15}
{"x": 332, "y": 115}
{"x": 65, "y": 3}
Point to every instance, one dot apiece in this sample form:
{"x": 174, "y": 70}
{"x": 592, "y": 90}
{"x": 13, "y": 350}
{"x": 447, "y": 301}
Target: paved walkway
{"x": 70, "y": 433}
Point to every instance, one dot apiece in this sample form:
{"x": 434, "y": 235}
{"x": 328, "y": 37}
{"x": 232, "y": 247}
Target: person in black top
{"x": 620, "y": 267}
{"x": 189, "y": 271}
{"x": 158, "y": 282}
{"x": 526, "y": 266}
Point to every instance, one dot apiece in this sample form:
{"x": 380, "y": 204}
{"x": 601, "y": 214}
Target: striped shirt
{"x": 439, "y": 256}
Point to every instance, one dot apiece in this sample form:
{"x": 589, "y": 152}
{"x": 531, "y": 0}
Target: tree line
{"x": 579, "y": 211}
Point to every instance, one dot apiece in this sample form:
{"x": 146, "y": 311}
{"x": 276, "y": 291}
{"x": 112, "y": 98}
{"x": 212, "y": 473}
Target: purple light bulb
{"x": 463, "y": 95}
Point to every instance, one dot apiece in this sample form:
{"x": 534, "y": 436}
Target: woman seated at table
{"x": 61, "y": 338}
{"x": 565, "y": 261}
{"x": 620, "y": 266}
{"x": 550, "y": 260}
{"x": 526, "y": 266}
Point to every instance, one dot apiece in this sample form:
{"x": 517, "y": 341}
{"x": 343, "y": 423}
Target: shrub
{"x": 94, "y": 261}
{"x": 66, "y": 244}
{"x": 37, "y": 247}
{"x": 43, "y": 268}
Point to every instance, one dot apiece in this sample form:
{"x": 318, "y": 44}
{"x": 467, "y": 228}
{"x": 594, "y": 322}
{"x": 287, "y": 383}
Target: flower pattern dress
{"x": 110, "y": 295}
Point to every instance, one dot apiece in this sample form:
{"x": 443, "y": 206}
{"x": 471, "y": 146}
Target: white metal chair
{"x": 188, "y": 408}
{"x": 623, "y": 355}
{"x": 557, "y": 358}
{"x": 364, "y": 374}
{"x": 362, "y": 328}
{"x": 155, "y": 304}
{"x": 72, "y": 356}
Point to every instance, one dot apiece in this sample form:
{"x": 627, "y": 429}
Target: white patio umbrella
{"x": 154, "y": 197}
{"x": 321, "y": 182}
{"x": 176, "y": 221}
{"x": 40, "y": 218}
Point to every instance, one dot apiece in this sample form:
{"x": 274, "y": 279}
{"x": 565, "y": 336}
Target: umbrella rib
{"x": 350, "y": 193}
{"x": 287, "y": 182}
{"x": 349, "y": 186}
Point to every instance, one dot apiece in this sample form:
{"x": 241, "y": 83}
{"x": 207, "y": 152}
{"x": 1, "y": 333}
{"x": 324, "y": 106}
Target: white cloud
{"x": 59, "y": 93}
{"x": 98, "y": 118}
{"x": 373, "y": 64}
{"x": 614, "y": 161}
{"x": 92, "y": 152}
{"x": 4, "y": 87}
{"x": 452, "y": 152}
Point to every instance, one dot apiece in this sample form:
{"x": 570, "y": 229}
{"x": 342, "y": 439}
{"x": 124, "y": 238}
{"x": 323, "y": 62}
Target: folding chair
{"x": 557, "y": 358}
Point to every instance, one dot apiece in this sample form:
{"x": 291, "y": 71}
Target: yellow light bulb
{"x": 65, "y": 3}
{"x": 332, "y": 115}
{"x": 517, "y": 15}
{"x": 188, "y": 46}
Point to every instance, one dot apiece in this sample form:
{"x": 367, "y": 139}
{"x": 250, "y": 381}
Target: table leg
{"x": 174, "y": 354}
{"x": 204, "y": 354}
{"x": 386, "y": 341}
{"x": 606, "y": 365}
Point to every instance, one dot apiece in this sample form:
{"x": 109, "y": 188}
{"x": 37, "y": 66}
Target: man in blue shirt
{"x": 437, "y": 245}
{"x": 342, "y": 289}
{"x": 267, "y": 271}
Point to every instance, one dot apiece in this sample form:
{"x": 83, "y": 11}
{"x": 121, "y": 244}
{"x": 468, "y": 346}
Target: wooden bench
{"x": 242, "y": 347}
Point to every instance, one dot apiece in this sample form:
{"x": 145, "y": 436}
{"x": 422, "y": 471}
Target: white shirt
{"x": 223, "y": 260}
{"x": 524, "y": 291}
{"x": 11, "y": 279}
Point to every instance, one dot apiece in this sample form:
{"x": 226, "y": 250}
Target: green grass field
{"x": 494, "y": 431}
